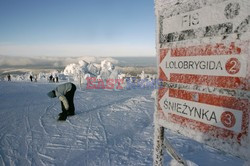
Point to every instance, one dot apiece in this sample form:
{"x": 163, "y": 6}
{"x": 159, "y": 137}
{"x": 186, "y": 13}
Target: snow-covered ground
{"x": 109, "y": 128}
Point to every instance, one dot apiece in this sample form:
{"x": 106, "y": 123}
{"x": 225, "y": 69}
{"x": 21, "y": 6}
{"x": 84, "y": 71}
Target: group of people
{"x": 53, "y": 79}
{"x": 34, "y": 78}
{"x": 31, "y": 78}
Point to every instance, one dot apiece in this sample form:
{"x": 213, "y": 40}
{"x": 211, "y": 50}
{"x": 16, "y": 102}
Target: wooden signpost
{"x": 204, "y": 68}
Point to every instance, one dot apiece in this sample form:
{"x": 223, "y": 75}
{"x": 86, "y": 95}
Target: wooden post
{"x": 158, "y": 145}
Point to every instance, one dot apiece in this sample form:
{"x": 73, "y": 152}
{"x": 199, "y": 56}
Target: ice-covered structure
{"x": 108, "y": 70}
{"x": 72, "y": 69}
{"x": 83, "y": 70}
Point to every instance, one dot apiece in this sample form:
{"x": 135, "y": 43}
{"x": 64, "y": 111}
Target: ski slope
{"x": 109, "y": 128}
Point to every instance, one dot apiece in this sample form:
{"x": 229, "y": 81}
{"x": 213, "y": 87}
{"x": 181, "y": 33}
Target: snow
{"x": 104, "y": 70}
{"x": 109, "y": 128}
{"x": 71, "y": 69}
{"x": 175, "y": 163}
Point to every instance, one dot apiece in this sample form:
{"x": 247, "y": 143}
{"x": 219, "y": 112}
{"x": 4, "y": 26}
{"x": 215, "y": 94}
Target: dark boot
{"x": 68, "y": 113}
{"x": 62, "y": 117}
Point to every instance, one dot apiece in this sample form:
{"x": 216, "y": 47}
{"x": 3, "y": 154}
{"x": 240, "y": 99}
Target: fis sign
{"x": 204, "y": 64}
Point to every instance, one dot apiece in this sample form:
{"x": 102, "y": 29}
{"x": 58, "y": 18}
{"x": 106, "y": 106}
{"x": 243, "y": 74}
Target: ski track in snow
{"x": 109, "y": 128}
{"x": 105, "y": 135}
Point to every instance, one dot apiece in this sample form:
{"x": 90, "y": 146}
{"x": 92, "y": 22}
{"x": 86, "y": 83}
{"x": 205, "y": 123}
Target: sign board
{"x": 204, "y": 65}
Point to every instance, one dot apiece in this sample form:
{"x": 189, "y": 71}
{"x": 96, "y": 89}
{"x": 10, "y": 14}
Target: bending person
{"x": 65, "y": 93}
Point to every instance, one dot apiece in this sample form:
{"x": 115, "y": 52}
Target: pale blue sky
{"x": 77, "y": 27}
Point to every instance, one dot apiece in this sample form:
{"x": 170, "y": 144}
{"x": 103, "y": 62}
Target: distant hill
{"x": 19, "y": 65}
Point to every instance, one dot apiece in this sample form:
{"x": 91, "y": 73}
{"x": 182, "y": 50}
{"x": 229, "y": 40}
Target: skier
{"x": 50, "y": 78}
{"x": 65, "y": 92}
{"x": 31, "y": 78}
{"x": 9, "y": 77}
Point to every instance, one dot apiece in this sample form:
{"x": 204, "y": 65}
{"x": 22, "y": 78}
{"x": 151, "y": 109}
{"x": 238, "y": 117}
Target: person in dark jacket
{"x": 50, "y": 78}
{"x": 31, "y": 78}
{"x": 9, "y": 78}
{"x": 65, "y": 92}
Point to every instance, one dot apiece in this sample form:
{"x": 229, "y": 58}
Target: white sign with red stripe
{"x": 226, "y": 118}
{"x": 204, "y": 66}
{"x": 221, "y": 65}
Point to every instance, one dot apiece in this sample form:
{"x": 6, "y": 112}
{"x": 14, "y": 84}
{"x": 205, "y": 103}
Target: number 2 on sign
{"x": 233, "y": 66}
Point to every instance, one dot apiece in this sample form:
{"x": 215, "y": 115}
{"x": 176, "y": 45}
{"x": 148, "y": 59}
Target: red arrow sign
{"x": 224, "y": 116}
{"x": 220, "y": 116}
{"x": 227, "y": 67}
